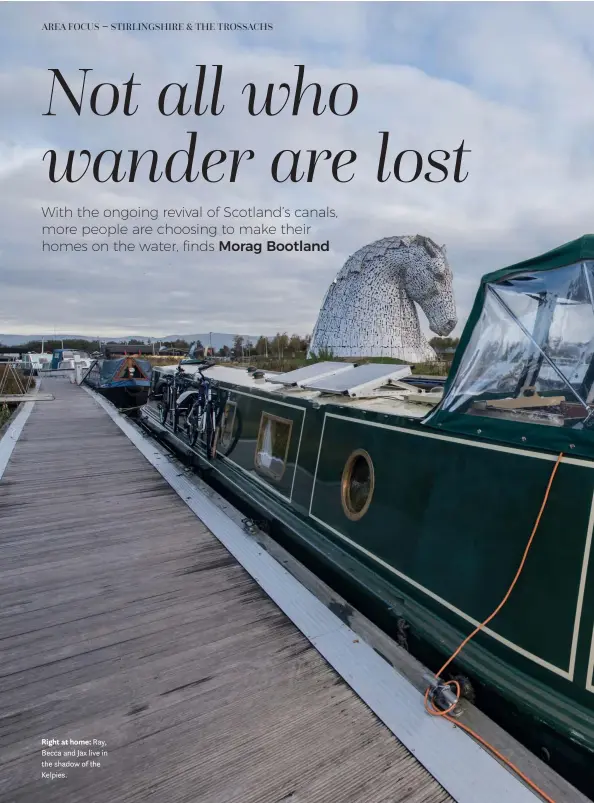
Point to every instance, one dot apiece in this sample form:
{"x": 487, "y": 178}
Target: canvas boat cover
{"x": 114, "y": 373}
{"x": 523, "y": 372}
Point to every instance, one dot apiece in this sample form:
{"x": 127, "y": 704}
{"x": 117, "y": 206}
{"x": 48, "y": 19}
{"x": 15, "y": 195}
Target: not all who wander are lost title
{"x": 105, "y": 99}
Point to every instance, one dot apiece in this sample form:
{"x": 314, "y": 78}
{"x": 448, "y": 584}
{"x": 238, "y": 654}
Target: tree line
{"x": 280, "y": 346}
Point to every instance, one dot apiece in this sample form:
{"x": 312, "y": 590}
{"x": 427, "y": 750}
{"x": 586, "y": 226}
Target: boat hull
{"x": 127, "y": 396}
{"x": 125, "y": 382}
{"x": 437, "y": 550}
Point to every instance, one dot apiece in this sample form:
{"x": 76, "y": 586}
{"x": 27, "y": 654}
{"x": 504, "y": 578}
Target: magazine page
{"x": 296, "y": 402}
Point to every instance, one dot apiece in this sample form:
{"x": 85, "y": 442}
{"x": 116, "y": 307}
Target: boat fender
{"x": 466, "y": 688}
{"x": 253, "y": 525}
{"x": 249, "y": 525}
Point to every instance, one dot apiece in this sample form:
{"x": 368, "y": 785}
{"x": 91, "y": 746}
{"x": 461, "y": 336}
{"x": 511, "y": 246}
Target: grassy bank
{"x": 11, "y": 380}
{"x": 5, "y": 413}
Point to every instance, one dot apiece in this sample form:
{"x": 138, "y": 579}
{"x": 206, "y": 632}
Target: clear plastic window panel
{"x": 273, "y": 445}
{"x": 531, "y": 355}
{"x": 228, "y": 424}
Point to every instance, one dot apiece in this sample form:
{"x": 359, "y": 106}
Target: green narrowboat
{"x": 421, "y": 504}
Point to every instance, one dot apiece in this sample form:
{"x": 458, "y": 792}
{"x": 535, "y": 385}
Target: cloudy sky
{"x": 514, "y": 81}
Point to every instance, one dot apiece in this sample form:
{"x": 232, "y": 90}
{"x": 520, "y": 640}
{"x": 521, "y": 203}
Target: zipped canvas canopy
{"x": 524, "y": 369}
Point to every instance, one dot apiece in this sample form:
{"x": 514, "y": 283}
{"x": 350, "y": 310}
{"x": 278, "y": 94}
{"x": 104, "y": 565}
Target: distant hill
{"x": 217, "y": 339}
{"x": 17, "y": 340}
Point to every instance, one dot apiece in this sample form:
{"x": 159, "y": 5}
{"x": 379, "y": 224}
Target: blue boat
{"x": 124, "y": 381}
{"x": 62, "y": 355}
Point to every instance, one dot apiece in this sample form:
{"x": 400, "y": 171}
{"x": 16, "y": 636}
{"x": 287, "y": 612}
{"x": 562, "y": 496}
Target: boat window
{"x": 228, "y": 426}
{"x": 272, "y": 447}
{"x": 531, "y": 355}
{"x": 358, "y": 481}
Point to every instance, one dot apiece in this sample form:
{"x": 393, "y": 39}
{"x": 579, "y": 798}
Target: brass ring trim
{"x": 345, "y": 484}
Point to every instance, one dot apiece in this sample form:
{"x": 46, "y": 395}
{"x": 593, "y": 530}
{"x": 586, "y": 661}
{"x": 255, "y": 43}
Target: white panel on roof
{"x": 318, "y": 371}
{"x": 360, "y": 380}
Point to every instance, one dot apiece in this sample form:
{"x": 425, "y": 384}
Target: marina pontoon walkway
{"x": 124, "y": 620}
{"x": 158, "y": 652}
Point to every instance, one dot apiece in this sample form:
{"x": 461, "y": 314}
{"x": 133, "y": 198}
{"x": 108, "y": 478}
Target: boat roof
{"x": 567, "y": 254}
{"x": 391, "y": 396}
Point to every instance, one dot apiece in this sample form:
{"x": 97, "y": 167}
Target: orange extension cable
{"x": 430, "y": 705}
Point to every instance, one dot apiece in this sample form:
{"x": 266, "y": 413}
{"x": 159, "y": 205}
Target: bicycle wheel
{"x": 176, "y": 415}
{"x": 210, "y": 430}
{"x": 192, "y": 423}
{"x": 164, "y": 405}
{"x": 218, "y": 413}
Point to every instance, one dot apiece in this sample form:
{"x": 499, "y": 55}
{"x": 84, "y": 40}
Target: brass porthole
{"x": 358, "y": 482}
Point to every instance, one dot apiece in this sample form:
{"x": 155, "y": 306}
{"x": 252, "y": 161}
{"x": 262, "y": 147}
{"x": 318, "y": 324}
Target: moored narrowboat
{"x": 124, "y": 381}
{"x": 429, "y": 505}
